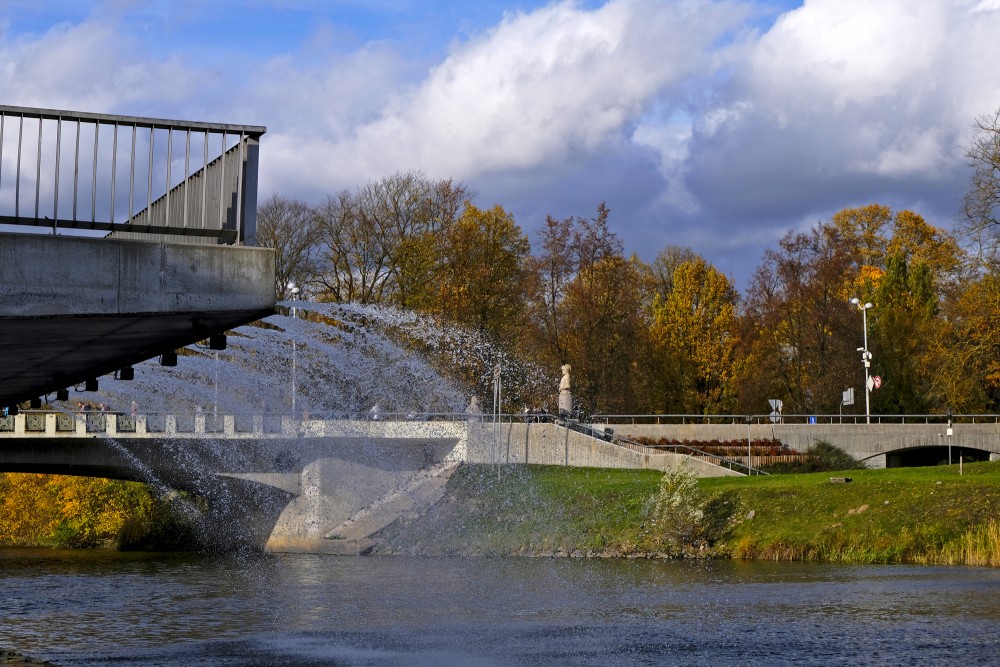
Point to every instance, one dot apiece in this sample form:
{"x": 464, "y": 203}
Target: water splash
{"x": 331, "y": 359}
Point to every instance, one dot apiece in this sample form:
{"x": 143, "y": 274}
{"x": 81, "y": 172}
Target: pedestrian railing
{"x": 128, "y": 175}
{"x": 663, "y": 419}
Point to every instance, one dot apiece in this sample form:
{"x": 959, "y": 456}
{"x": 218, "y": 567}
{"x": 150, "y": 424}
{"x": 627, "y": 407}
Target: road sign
{"x": 877, "y": 381}
{"x": 848, "y": 398}
{"x": 776, "y": 404}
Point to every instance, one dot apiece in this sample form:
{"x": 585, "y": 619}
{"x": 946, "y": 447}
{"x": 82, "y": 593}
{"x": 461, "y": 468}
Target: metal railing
{"x": 126, "y": 175}
{"x": 977, "y": 418}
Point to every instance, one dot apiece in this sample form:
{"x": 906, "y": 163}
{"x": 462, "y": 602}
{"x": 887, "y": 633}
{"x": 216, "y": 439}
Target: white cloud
{"x": 845, "y": 102}
{"x": 694, "y": 123}
{"x": 541, "y": 87}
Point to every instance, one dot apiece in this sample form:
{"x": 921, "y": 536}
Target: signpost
{"x": 776, "y": 405}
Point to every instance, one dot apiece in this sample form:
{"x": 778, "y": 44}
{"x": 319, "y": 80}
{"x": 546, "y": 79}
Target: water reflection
{"x": 87, "y": 608}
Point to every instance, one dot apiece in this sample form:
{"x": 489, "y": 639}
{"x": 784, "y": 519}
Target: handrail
{"x": 793, "y": 418}
{"x": 713, "y": 459}
{"x": 120, "y": 174}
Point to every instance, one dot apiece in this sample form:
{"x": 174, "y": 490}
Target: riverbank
{"x": 903, "y": 515}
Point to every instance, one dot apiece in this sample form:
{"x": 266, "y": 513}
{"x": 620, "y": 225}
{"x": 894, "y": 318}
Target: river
{"x": 100, "y": 608}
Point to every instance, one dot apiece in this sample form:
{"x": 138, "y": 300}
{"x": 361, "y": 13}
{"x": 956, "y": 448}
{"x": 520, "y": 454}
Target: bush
{"x": 821, "y": 457}
{"x": 682, "y": 515}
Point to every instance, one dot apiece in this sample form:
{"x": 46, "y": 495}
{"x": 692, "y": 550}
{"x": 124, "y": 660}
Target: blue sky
{"x": 716, "y": 124}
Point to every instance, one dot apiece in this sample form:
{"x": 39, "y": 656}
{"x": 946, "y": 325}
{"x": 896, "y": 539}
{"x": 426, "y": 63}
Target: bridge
{"x": 328, "y": 484}
{"x": 890, "y": 441}
{"x": 322, "y": 485}
{"x": 174, "y": 205}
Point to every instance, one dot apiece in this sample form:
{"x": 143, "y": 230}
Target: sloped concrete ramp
{"x": 341, "y": 507}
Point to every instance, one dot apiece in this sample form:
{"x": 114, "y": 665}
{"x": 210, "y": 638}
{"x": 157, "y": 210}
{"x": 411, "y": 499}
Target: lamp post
{"x": 294, "y": 290}
{"x": 866, "y": 356}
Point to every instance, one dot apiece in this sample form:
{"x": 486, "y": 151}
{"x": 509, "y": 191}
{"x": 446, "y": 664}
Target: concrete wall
{"x": 862, "y": 441}
{"x": 62, "y": 275}
{"x": 549, "y": 444}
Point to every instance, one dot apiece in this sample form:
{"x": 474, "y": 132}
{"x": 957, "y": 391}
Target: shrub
{"x": 681, "y": 513}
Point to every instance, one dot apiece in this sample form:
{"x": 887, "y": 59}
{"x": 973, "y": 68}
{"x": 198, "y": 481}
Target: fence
{"x": 125, "y": 175}
{"x": 984, "y": 418}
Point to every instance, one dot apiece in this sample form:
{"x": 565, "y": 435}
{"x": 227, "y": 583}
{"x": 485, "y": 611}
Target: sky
{"x": 715, "y": 124}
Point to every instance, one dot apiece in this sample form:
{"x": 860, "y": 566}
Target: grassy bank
{"x": 915, "y": 515}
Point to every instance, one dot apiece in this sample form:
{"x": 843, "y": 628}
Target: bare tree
{"x": 982, "y": 200}
{"x": 378, "y": 240}
{"x": 288, "y": 226}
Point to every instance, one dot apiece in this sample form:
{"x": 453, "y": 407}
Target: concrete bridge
{"x": 169, "y": 196}
{"x": 890, "y": 442}
{"x": 314, "y": 485}
{"x": 327, "y": 485}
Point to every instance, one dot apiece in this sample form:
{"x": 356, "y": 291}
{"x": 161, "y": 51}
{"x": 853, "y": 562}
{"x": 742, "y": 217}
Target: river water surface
{"x": 106, "y": 608}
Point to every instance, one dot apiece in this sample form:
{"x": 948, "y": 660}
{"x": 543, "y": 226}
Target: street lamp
{"x": 866, "y": 356}
{"x": 294, "y": 290}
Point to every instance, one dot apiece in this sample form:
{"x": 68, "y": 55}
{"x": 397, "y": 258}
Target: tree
{"x": 798, "y": 327}
{"x": 289, "y": 226}
{"x": 569, "y": 247}
{"x": 606, "y": 336}
{"x": 965, "y": 355}
{"x": 666, "y": 262}
{"x": 695, "y": 328}
{"x": 483, "y": 280}
{"x": 982, "y": 199}
{"x": 589, "y": 312}
{"x": 902, "y": 328}
{"x": 381, "y": 241}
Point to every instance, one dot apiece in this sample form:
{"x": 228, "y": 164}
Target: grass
{"x": 914, "y": 515}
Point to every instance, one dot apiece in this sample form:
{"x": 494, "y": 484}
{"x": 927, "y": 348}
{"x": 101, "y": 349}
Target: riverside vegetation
{"x": 941, "y": 514}
{"x": 902, "y": 515}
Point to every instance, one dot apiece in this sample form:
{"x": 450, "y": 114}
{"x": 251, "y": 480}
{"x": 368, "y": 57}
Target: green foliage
{"x": 821, "y": 457}
{"x": 916, "y": 515}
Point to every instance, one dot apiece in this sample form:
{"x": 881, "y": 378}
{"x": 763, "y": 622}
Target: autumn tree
{"x": 965, "y": 355}
{"x": 289, "y": 226}
{"x": 695, "y": 330}
{"x": 798, "y": 325}
{"x": 805, "y": 335}
{"x": 607, "y": 336}
{"x": 483, "y": 279}
{"x": 589, "y": 312}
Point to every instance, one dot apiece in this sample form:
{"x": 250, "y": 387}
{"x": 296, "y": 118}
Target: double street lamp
{"x": 866, "y": 356}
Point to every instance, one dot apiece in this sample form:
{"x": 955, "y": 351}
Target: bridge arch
{"x": 933, "y": 455}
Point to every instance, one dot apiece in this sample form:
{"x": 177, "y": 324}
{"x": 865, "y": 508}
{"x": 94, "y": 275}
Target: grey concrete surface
{"x": 870, "y": 443}
{"x": 73, "y": 308}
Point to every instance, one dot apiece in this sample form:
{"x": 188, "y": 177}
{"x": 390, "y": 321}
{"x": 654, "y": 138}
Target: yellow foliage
{"x": 62, "y": 510}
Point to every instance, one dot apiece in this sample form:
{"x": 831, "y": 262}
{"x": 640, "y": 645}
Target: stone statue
{"x": 565, "y": 395}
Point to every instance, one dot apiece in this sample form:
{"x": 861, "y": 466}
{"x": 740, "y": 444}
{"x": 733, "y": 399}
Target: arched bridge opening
{"x": 934, "y": 456}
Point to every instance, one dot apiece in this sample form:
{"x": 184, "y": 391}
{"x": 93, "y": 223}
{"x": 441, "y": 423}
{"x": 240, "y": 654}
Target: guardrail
{"x": 984, "y": 418}
{"x": 124, "y": 174}
{"x": 54, "y": 423}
